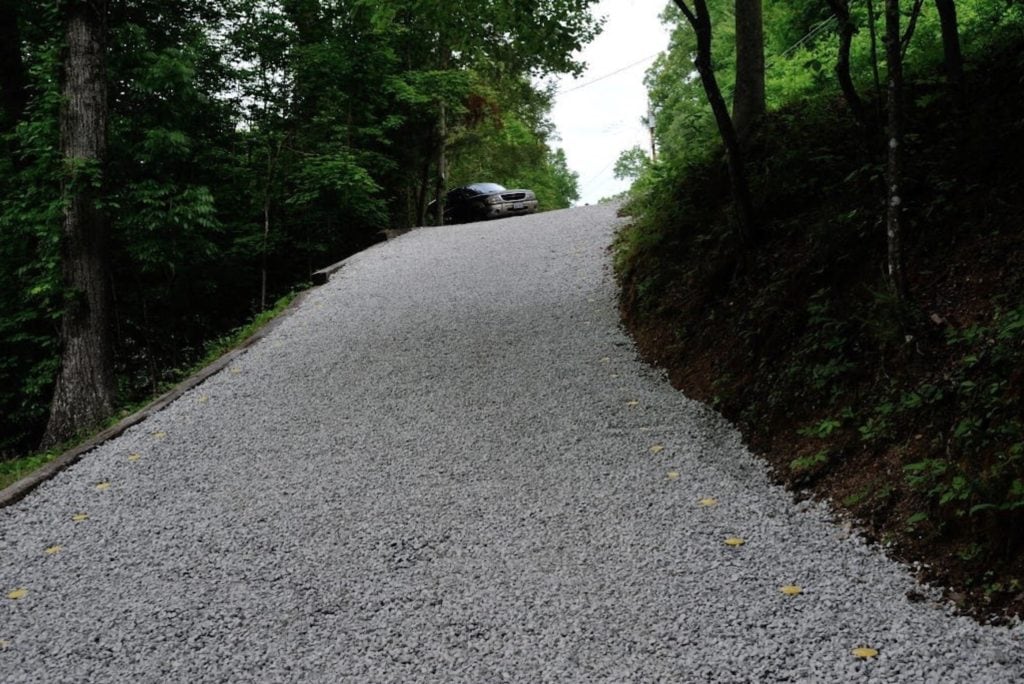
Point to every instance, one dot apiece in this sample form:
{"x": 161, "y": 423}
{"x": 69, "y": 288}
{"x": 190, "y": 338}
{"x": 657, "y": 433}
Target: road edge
{"x": 21, "y": 488}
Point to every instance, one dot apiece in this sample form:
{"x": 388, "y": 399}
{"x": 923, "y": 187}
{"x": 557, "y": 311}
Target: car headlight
{"x": 494, "y": 199}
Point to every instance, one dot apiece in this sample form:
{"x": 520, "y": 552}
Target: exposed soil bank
{"x": 910, "y": 419}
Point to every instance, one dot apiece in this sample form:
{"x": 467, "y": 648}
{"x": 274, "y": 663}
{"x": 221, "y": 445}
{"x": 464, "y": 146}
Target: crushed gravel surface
{"x": 448, "y": 465}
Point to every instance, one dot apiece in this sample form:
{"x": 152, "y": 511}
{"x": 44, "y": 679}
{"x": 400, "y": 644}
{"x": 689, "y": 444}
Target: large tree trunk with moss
{"x": 748, "y": 104}
{"x": 700, "y": 20}
{"x": 894, "y": 167}
{"x": 13, "y": 94}
{"x": 84, "y": 393}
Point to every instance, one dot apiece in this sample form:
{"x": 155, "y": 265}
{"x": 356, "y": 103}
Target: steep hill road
{"x": 448, "y": 465}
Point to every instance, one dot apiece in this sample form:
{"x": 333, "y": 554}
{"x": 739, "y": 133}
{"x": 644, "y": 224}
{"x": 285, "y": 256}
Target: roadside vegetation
{"x": 901, "y": 403}
{"x": 13, "y": 469}
{"x": 169, "y": 168}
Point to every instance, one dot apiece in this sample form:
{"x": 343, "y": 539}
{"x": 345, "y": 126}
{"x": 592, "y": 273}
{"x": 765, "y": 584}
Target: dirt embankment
{"x": 910, "y": 418}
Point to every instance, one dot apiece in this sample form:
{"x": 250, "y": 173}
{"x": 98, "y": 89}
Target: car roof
{"x": 486, "y": 187}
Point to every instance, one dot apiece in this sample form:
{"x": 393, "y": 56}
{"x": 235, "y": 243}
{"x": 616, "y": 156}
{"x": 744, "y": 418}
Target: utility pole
{"x": 649, "y": 121}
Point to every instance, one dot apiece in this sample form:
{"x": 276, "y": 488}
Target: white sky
{"x": 597, "y": 122}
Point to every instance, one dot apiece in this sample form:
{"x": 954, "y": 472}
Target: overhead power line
{"x": 609, "y": 75}
{"x": 815, "y": 30}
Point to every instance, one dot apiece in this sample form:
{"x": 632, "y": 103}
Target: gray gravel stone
{"x": 433, "y": 472}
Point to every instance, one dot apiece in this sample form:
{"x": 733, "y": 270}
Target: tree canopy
{"x": 250, "y": 143}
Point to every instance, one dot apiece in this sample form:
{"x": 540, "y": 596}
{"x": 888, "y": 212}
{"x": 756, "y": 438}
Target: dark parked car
{"x": 480, "y": 201}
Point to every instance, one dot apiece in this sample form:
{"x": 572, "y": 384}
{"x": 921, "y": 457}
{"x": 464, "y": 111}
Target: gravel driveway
{"x": 448, "y": 465}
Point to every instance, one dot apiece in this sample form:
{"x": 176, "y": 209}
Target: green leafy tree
{"x": 631, "y": 164}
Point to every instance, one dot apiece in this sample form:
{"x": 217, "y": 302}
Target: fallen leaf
{"x": 865, "y": 652}
{"x": 103, "y": 486}
{"x": 791, "y": 590}
{"x": 673, "y": 474}
{"x": 134, "y": 457}
{"x": 735, "y": 541}
{"x": 80, "y": 517}
{"x": 159, "y": 435}
{"x": 4, "y": 644}
{"x": 605, "y": 359}
{"x": 657, "y": 448}
{"x": 708, "y": 501}
{"x": 203, "y": 399}
{"x": 54, "y": 549}
{"x": 632, "y": 402}
{"x": 236, "y": 370}
{"x": 17, "y": 594}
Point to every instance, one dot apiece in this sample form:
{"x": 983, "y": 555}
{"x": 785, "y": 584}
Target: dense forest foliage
{"x": 241, "y": 145}
{"x": 862, "y": 316}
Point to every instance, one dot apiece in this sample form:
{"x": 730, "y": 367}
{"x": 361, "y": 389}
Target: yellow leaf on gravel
{"x": 50, "y": 550}
{"x": 632, "y": 402}
{"x": 657, "y": 448}
{"x": 791, "y": 590}
{"x": 4, "y": 644}
{"x": 134, "y": 457}
{"x": 605, "y": 359}
{"x": 203, "y": 399}
{"x": 708, "y": 501}
{"x": 673, "y": 474}
{"x": 17, "y": 594}
{"x": 865, "y": 652}
{"x": 103, "y": 486}
{"x": 236, "y": 370}
{"x": 80, "y": 517}
{"x": 159, "y": 435}
{"x": 735, "y": 541}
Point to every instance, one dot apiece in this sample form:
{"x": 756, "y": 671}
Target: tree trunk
{"x": 894, "y": 167}
{"x": 441, "y": 163}
{"x": 423, "y": 193}
{"x": 84, "y": 393}
{"x": 310, "y": 27}
{"x": 273, "y": 157}
{"x": 915, "y": 12}
{"x": 748, "y": 103}
{"x": 873, "y": 31}
{"x": 263, "y": 256}
{"x": 841, "y": 9}
{"x": 700, "y": 20}
{"x": 954, "y": 61}
{"x": 13, "y": 87}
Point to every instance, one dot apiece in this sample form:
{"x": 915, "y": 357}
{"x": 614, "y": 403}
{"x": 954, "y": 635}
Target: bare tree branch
{"x": 685, "y": 9}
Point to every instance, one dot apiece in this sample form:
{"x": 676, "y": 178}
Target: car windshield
{"x": 483, "y": 188}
